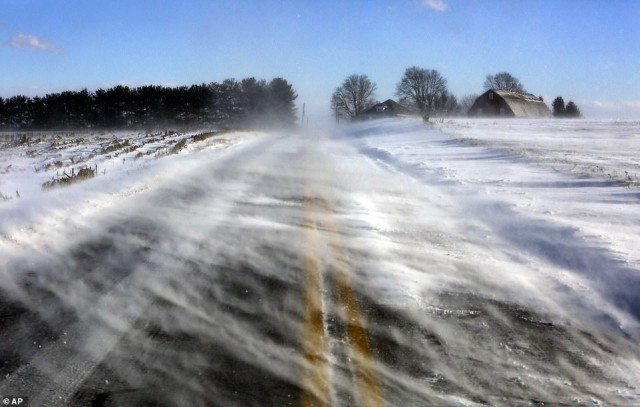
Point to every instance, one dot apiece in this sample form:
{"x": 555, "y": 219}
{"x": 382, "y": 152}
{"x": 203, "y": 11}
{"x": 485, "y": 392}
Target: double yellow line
{"x": 314, "y": 383}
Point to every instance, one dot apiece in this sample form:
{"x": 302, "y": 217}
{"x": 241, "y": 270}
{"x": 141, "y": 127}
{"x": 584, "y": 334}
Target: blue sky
{"x": 585, "y": 50}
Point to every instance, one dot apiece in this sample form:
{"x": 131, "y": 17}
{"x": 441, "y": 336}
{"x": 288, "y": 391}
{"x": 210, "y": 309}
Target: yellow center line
{"x": 314, "y": 385}
{"x": 366, "y": 377}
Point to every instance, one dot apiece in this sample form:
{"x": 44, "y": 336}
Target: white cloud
{"x": 439, "y": 5}
{"x": 21, "y": 40}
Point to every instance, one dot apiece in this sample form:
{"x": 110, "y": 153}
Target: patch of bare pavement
{"x": 266, "y": 276}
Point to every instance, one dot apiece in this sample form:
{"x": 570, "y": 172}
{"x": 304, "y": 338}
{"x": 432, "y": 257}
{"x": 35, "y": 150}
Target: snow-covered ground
{"x": 123, "y": 162}
{"x": 599, "y": 149}
{"x": 493, "y": 263}
{"x": 561, "y": 193}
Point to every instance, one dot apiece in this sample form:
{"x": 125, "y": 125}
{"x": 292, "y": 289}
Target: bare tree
{"x": 447, "y": 104}
{"x": 354, "y": 96}
{"x": 422, "y": 87}
{"x": 503, "y": 81}
{"x": 466, "y": 103}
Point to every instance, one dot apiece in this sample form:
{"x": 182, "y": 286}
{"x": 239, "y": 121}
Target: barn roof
{"x": 523, "y": 104}
{"x": 388, "y": 107}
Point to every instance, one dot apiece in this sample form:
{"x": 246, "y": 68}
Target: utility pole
{"x": 303, "y": 113}
{"x": 337, "y": 116}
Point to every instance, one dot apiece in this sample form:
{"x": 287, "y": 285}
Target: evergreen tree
{"x": 255, "y": 95}
{"x": 39, "y": 112}
{"x": 250, "y": 102}
{"x": 558, "y": 107}
{"x": 200, "y": 102}
{"x": 229, "y": 104}
{"x": 17, "y": 112}
{"x": 282, "y": 108}
{"x": 150, "y": 105}
{"x": 3, "y": 114}
{"x": 572, "y": 110}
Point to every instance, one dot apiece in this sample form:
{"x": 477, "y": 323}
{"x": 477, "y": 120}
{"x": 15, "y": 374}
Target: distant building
{"x": 388, "y": 108}
{"x": 509, "y": 104}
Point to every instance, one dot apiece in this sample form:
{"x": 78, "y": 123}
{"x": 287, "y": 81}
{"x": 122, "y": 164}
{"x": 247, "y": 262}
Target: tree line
{"x": 560, "y": 110}
{"x": 425, "y": 90}
{"x": 250, "y": 102}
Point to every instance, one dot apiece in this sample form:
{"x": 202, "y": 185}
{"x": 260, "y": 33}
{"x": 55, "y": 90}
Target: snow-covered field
{"x": 564, "y": 192}
{"x": 599, "y": 149}
{"x": 123, "y": 163}
{"x": 493, "y": 263}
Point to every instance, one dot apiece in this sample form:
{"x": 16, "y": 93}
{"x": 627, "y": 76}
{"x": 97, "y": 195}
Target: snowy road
{"x": 387, "y": 263}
